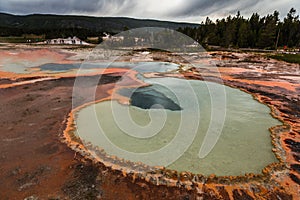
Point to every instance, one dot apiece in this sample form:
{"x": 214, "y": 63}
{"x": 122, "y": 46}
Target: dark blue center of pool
{"x": 149, "y": 98}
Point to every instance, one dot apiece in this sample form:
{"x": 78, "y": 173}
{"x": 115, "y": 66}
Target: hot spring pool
{"x": 173, "y": 137}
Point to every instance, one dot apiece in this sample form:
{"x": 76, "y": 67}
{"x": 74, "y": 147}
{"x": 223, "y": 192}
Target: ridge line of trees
{"x": 266, "y": 32}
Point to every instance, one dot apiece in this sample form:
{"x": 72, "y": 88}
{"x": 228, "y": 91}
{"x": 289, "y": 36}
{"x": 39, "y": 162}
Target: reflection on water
{"x": 137, "y": 134}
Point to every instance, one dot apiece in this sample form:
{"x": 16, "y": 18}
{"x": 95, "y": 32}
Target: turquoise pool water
{"x": 212, "y": 133}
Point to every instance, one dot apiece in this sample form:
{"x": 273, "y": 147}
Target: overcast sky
{"x": 174, "y": 10}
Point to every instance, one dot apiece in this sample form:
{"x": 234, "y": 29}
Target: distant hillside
{"x": 60, "y": 25}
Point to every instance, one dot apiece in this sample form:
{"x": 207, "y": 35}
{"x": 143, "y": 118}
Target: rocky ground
{"x": 36, "y": 164}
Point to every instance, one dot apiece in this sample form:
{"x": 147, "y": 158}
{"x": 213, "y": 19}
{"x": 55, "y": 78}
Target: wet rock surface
{"x": 34, "y": 162}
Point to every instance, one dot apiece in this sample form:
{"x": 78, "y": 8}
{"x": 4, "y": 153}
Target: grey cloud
{"x": 59, "y": 6}
{"x": 204, "y": 7}
{"x": 175, "y": 10}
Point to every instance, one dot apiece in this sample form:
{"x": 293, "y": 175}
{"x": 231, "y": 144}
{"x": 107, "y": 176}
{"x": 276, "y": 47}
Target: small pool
{"x": 26, "y": 66}
{"x": 141, "y": 67}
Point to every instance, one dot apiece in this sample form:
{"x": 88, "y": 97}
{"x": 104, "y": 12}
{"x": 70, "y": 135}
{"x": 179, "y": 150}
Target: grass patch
{"x": 20, "y": 39}
{"x": 12, "y": 39}
{"x": 290, "y": 58}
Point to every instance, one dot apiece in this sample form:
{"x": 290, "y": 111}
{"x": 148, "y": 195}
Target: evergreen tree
{"x": 290, "y": 29}
{"x": 267, "y": 37}
{"x": 244, "y": 35}
{"x": 261, "y": 32}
